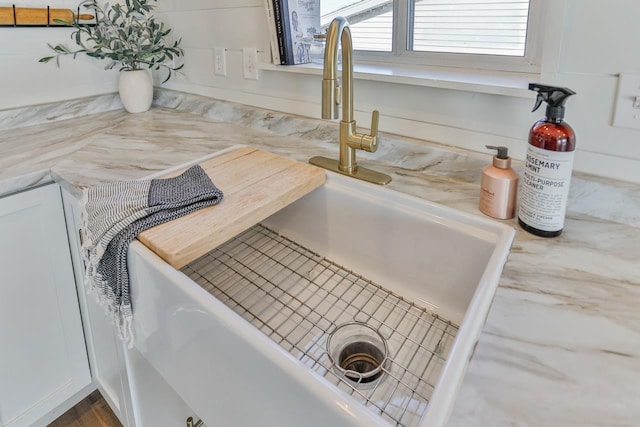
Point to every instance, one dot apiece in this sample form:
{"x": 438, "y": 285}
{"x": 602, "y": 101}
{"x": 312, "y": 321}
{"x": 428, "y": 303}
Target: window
{"x": 493, "y": 34}
{"x": 371, "y": 21}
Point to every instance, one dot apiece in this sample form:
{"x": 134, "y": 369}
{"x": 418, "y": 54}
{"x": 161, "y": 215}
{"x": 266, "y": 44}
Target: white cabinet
{"x": 106, "y": 351}
{"x": 156, "y": 403}
{"x": 43, "y": 359}
{"x": 136, "y": 393}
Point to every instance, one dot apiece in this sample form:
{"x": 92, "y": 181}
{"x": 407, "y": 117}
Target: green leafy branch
{"x": 124, "y": 34}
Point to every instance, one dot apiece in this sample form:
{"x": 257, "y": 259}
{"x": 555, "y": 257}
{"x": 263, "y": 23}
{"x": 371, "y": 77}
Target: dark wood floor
{"x": 93, "y": 411}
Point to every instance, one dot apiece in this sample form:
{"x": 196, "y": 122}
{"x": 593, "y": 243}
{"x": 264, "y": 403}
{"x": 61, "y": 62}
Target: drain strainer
{"x": 358, "y": 352}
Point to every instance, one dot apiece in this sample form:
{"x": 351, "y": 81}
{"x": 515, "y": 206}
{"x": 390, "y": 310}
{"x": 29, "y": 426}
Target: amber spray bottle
{"x": 548, "y": 165}
{"x": 499, "y": 186}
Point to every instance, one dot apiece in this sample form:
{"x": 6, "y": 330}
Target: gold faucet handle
{"x": 375, "y": 117}
{"x": 370, "y": 142}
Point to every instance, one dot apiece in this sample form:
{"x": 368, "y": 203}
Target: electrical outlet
{"x": 627, "y": 112}
{"x": 219, "y": 61}
{"x": 250, "y": 63}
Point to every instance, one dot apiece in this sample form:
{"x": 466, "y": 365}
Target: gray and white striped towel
{"x": 113, "y": 214}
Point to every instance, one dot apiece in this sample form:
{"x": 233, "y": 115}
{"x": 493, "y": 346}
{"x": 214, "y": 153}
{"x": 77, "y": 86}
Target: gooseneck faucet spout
{"x": 338, "y": 31}
{"x": 333, "y": 94}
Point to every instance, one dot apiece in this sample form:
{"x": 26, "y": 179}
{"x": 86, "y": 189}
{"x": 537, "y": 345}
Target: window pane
{"x": 371, "y": 21}
{"x": 494, "y": 27}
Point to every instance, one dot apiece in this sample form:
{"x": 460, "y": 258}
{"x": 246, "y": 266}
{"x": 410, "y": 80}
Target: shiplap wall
{"x": 595, "y": 44}
{"x": 24, "y": 81}
{"x": 579, "y": 57}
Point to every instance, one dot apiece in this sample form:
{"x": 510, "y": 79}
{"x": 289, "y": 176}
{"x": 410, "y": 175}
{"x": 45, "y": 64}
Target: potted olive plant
{"x": 130, "y": 37}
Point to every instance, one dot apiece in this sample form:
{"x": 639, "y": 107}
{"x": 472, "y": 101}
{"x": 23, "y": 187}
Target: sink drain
{"x": 358, "y": 352}
{"x": 361, "y": 361}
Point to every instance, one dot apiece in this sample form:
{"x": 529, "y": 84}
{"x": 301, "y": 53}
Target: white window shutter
{"x": 496, "y": 27}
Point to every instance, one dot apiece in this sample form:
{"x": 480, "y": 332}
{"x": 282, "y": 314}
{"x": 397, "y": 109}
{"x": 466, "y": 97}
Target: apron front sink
{"x": 252, "y": 333}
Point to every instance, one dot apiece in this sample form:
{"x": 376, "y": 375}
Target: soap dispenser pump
{"x": 499, "y": 186}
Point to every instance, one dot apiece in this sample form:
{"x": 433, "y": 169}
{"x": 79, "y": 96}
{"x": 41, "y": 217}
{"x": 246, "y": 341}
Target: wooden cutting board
{"x": 255, "y": 184}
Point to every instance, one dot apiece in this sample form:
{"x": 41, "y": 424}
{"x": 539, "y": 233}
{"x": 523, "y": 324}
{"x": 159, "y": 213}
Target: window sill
{"x": 495, "y": 82}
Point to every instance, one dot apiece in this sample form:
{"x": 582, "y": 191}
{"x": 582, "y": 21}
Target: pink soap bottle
{"x": 499, "y": 186}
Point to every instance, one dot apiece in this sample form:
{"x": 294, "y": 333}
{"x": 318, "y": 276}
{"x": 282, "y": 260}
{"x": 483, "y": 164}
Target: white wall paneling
{"x": 452, "y": 117}
{"x": 25, "y": 81}
{"x": 586, "y": 45}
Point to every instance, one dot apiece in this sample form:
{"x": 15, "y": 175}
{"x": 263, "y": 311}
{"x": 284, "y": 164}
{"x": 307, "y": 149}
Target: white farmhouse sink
{"x": 230, "y": 373}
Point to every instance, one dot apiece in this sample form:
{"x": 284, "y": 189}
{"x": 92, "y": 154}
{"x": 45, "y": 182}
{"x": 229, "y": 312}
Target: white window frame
{"x": 529, "y": 63}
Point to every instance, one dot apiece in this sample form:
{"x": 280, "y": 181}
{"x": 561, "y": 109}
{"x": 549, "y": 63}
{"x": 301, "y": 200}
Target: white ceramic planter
{"x": 136, "y": 90}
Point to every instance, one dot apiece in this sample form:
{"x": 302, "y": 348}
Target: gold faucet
{"x": 350, "y": 140}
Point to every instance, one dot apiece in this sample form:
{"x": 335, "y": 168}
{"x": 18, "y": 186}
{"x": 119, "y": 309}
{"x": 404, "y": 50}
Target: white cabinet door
{"x": 155, "y": 402}
{"x": 43, "y": 359}
{"x": 106, "y": 351}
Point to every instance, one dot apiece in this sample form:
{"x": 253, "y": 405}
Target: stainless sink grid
{"x": 298, "y": 299}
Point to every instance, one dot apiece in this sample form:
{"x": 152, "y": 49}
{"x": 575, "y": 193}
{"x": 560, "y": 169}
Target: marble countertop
{"x": 561, "y": 345}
